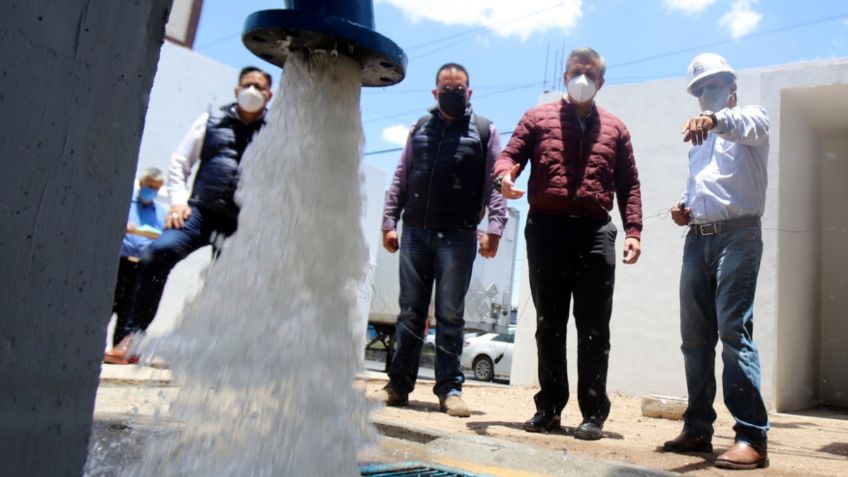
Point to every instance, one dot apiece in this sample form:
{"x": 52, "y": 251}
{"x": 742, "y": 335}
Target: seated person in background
{"x": 144, "y": 224}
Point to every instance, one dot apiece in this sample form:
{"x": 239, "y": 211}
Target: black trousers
{"x": 124, "y": 292}
{"x": 572, "y": 257}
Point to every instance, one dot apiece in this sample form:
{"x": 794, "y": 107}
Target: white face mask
{"x": 251, "y": 100}
{"x": 714, "y": 99}
{"x": 581, "y": 89}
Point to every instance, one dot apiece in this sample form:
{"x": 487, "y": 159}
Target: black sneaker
{"x": 542, "y": 421}
{"x": 589, "y": 430}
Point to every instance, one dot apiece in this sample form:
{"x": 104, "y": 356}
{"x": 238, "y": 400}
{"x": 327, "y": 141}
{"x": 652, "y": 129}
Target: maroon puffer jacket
{"x": 576, "y": 172}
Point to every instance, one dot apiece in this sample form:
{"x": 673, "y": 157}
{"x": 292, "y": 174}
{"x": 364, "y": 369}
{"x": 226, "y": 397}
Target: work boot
{"x": 389, "y": 397}
{"x": 453, "y": 405}
{"x": 743, "y": 456}
{"x": 589, "y": 430}
{"x": 687, "y": 442}
{"x": 542, "y": 421}
{"x": 122, "y": 353}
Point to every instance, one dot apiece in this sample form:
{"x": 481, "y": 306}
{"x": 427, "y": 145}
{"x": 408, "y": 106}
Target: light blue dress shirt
{"x": 140, "y": 214}
{"x": 727, "y": 173}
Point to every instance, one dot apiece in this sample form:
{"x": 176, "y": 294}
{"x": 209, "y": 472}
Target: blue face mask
{"x": 147, "y": 194}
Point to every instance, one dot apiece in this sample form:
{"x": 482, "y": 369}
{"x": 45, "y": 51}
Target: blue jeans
{"x": 446, "y": 256}
{"x": 164, "y": 253}
{"x": 717, "y": 287}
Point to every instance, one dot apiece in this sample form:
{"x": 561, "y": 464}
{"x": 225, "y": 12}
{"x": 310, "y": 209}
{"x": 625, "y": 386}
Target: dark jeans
{"x": 124, "y": 289}
{"x": 572, "y": 257}
{"x": 717, "y": 286}
{"x": 446, "y": 256}
{"x": 160, "y": 257}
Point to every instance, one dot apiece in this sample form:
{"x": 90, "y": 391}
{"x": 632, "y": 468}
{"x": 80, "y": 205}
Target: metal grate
{"x": 411, "y": 469}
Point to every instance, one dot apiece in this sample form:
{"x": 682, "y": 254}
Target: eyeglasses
{"x": 450, "y": 89}
{"x": 708, "y": 84}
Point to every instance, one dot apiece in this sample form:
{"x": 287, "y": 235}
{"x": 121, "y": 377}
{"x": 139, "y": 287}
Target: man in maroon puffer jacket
{"x": 580, "y": 158}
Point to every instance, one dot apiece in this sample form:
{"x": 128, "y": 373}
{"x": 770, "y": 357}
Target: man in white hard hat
{"x": 724, "y": 200}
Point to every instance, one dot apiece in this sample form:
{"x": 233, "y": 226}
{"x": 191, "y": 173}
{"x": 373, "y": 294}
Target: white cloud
{"x": 396, "y": 134}
{"x": 741, "y": 19}
{"x": 689, "y": 7}
{"x": 503, "y": 17}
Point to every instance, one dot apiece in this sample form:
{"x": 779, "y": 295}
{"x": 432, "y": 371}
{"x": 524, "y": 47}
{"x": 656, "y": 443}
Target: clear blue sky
{"x": 514, "y": 49}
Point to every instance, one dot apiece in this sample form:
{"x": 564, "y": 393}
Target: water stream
{"x": 265, "y": 356}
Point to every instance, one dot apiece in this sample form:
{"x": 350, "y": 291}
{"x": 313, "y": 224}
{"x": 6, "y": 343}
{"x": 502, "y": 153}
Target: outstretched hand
{"x": 695, "y": 129}
{"x": 508, "y": 189}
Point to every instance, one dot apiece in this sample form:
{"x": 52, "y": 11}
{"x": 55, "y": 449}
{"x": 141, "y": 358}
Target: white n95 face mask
{"x": 251, "y": 100}
{"x": 714, "y": 99}
{"x": 581, "y": 89}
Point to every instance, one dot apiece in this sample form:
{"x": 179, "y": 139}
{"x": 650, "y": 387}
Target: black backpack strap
{"x": 484, "y": 129}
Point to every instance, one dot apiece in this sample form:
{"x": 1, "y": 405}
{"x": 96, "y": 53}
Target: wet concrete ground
{"x": 133, "y": 403}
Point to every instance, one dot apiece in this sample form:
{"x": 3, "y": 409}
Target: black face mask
{"x": 452, "y": 103}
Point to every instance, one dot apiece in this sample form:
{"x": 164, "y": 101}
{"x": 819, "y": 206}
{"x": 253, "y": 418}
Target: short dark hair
{"x": 251, "y": 69}
{"x": 450, "y": 66}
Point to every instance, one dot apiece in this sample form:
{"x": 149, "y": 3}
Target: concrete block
{"x": 131, "y": 375}
{"x": 664, "y": 407}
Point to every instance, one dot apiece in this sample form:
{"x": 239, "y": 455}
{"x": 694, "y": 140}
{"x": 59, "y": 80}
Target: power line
{"x": 472, "y": 31}
{"x": 724, "y": 42}
{"x": 398, "y": 149}
{"x": 217, "y": 41}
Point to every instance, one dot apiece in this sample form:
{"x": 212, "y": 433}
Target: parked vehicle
{"x": 489, "y": 356}
{"x": 430, "y": 340}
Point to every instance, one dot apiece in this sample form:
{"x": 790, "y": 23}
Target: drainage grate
{"x": 411, "y": 469}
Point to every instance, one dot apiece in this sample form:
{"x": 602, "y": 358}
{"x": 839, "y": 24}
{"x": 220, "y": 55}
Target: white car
{"x": 489, "y": 356}
{"x": 430, "y": 339}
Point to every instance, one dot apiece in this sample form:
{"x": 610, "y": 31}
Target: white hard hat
{"x": 707, "y": 64}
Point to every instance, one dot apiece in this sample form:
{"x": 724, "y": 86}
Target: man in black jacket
{"x": 442, "y": 185}
{"x": 218, "y": 140}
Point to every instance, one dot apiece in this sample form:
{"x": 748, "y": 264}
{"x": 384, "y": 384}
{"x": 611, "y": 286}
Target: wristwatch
{"x": 498, "y": 182}
{"x": 712, "y": 117}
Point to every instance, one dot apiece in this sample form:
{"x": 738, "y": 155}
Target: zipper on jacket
{"x": 432, "y": 173}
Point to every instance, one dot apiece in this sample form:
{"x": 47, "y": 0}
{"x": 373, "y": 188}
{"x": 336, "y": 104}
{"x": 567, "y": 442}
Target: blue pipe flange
{"x": 343, "y": 26}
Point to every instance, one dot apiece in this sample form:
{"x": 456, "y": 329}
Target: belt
{"x": 725, "y": 226}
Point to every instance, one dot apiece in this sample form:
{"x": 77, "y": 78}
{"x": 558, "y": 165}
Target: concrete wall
{"x": 799, "y": 294}
{"x": 74, "y": 84}
{"x": 645, "y": 356}
{"x": 833, "y": 388}
{"x": 811, "y": 99}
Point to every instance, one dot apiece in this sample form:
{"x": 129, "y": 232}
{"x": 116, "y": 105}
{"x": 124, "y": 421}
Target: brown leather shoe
{"x": 687, "y": 443}
{"x": 742, "y": 457}
{"x": 120, "y": 354}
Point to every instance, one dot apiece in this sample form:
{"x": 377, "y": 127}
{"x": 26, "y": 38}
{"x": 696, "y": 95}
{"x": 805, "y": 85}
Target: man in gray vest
{"x": 442, "y": 186}
{"x": 217, "y": 140}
